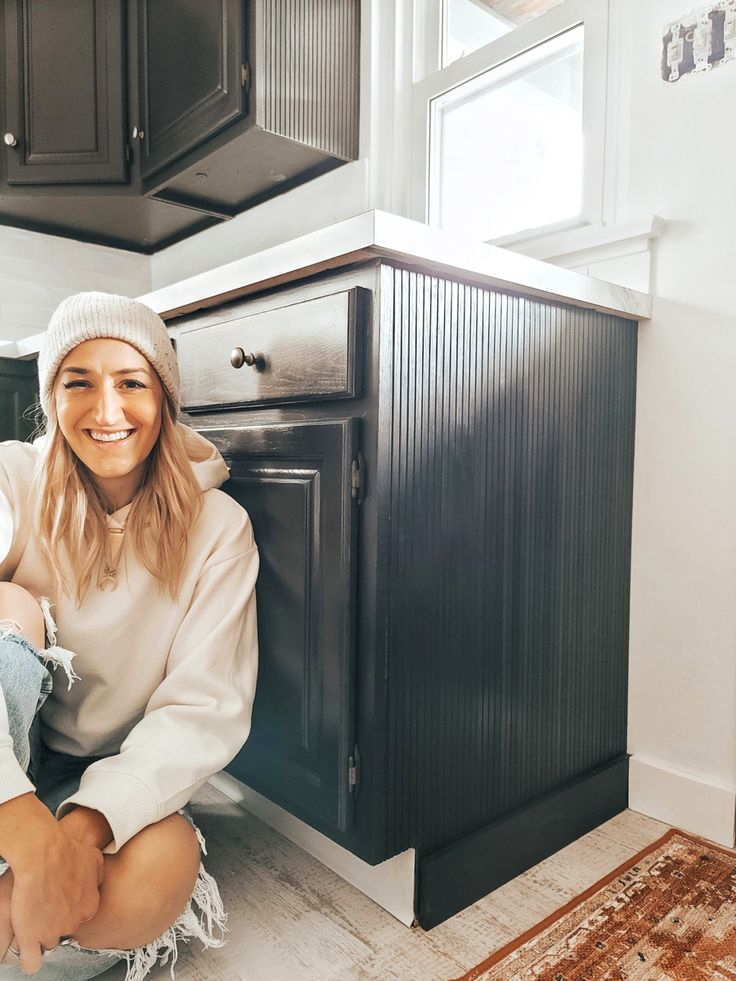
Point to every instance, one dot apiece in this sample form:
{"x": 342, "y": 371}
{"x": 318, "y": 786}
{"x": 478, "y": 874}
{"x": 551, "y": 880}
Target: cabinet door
{"x": 18, "y": 392}
{"x": 295, "y": 482}
{"x": 189, "y": 74}
{"x": 63, "y": 92}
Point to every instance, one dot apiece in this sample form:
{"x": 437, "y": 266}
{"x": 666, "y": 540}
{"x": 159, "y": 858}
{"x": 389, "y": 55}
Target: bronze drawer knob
{"x": 238, "y": 358}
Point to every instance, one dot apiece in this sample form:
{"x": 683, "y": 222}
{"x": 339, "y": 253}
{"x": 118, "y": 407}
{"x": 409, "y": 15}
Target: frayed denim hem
{"x": 203, "y": 919}
{"x": 52, "y": 656}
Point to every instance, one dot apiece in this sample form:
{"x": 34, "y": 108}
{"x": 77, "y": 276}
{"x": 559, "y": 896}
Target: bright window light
{"x": 469, "y": 24}
{"x": 507, "y": 147}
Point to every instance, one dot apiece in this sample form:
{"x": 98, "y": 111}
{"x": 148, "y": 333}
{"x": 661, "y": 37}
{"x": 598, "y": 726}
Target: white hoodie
{"x": 165, "y": 686}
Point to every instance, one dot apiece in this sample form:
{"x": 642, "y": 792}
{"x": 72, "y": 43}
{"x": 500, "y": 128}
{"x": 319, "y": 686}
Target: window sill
{"x": 592, "y": 243}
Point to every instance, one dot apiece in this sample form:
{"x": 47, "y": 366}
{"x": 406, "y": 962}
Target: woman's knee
{"x": 17, "y": 605}
{"x": 147, "y": 885}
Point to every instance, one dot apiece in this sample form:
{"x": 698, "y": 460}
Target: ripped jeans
{"x": 26, "y": 683}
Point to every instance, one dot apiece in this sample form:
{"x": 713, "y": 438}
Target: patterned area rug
{"x": 667, "y": 913}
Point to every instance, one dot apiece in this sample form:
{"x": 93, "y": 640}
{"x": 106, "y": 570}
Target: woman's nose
{"x": 108, "y": 409}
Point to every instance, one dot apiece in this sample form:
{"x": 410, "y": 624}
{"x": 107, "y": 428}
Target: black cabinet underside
{"x": 211, "y": 191}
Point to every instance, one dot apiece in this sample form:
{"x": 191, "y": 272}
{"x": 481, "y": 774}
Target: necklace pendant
{"x": 109, "y": 581}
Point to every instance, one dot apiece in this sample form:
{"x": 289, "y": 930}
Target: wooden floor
{"x": 292, "y": 919}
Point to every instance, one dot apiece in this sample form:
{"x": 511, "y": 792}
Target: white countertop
{"x": 378, "y": 234}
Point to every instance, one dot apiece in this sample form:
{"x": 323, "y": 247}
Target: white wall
{"x": 670, "y": 153}
{"x": 682, "y": 729}
{"x": 38, "y": 271}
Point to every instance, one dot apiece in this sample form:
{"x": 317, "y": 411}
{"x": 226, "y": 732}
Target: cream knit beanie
{"x": 85, "y": 316}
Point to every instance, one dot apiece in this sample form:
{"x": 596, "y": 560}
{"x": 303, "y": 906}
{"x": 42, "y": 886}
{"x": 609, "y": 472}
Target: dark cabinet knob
{"x": 238, "y": 358}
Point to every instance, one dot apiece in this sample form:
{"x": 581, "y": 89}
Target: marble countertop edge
{"x": 383, "y": 235}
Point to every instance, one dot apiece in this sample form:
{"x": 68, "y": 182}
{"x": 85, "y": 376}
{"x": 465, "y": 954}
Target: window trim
{"x": 430, "y": 84}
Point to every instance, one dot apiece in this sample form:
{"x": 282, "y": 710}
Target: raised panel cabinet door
{"x": 190, "y": 77}
{"x": 64, "y": 92}
{"x": 18, "y": 392}
{"x": 295, "y": 481}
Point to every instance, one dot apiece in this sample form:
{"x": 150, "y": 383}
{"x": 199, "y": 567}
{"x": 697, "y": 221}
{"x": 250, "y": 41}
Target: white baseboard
{"x": 390, "y": 884}
{"x": 683, "y": 800}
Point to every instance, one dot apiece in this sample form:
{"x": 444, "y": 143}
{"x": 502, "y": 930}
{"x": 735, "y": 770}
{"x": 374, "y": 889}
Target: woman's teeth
{"x": 110, "y": 437}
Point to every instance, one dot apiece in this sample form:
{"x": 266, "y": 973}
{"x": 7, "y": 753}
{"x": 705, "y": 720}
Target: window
{"x": 508, "y": 138}
{"x": 470, "y": 24}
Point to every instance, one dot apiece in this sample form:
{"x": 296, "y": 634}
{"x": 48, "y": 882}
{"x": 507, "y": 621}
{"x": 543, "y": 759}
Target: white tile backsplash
{"x": 22, "y": 290}
{"x": 17, "y": 244}
{"x": 96, "y": 258}
{"x": 38, "y": 271}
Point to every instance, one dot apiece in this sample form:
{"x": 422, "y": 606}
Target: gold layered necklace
{"x": 115, "y": 538}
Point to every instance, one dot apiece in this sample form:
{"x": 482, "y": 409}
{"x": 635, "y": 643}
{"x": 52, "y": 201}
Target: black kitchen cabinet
{"x": 18, "y": 394}
{"x": 137, "y": 124}
{"x": 64, "y": 92}
{"x": 479, "y": 714}
{"x": 295, "y": 481}
{"x": 190, "y": 75}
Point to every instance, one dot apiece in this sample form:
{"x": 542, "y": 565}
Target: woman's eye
{"x": 132, "y": 383}
{"x": 76, "y": 384}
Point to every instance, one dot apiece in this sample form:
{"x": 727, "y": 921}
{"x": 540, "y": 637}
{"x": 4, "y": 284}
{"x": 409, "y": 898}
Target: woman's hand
{"x": 6, "y": 926}
{"x": 84, "y": 824}
{"x": 56, "y": 878}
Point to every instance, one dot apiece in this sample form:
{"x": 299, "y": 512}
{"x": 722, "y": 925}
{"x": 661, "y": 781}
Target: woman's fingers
{"x": 30, "y": 953}
{"x": 6, "y": 927}
{"x": 53, "y": 896}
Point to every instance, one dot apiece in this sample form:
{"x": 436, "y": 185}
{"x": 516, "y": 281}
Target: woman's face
{"x": 108, "y": 402}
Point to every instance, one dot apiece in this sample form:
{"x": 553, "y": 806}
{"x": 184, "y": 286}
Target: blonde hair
{"x": 70, "y": 511}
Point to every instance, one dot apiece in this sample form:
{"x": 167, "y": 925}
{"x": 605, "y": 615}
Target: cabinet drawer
{"x": 296, "y": 353}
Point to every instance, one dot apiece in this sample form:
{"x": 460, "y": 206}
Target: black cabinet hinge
{"x": 357, "y": 478}
{"x": 128, "y": 153}
{"x": 354, "y": 772}
{"x": 245, "y": 76}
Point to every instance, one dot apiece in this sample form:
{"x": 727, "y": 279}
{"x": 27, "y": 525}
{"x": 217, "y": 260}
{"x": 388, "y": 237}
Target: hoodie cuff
{"x": 122, "y": 798}
{"x": 13, "y": 781}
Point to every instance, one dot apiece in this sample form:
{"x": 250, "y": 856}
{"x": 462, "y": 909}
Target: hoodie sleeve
{"x": 17, "y": 461}
{"x": 199, "y": 716}
{"x": 16, "y": 468}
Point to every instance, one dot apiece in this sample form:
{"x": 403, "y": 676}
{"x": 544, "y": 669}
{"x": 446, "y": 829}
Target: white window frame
{"x": 431, "y": 81}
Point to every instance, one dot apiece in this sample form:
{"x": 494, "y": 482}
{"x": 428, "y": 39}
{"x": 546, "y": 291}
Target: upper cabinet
{"x": 138, "y": 123}
{"x": 64, "y": 92}
{"x": 190, "y": 76}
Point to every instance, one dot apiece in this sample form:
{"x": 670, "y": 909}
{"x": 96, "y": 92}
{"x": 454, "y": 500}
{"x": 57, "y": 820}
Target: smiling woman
{"x": 108, "y": 403}
{"x": 116, "y": 495}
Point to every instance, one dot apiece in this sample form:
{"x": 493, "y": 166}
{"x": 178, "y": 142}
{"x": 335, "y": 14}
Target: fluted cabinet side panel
{"x": 510, "y": 474}
{"x": 310, "y": 76}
